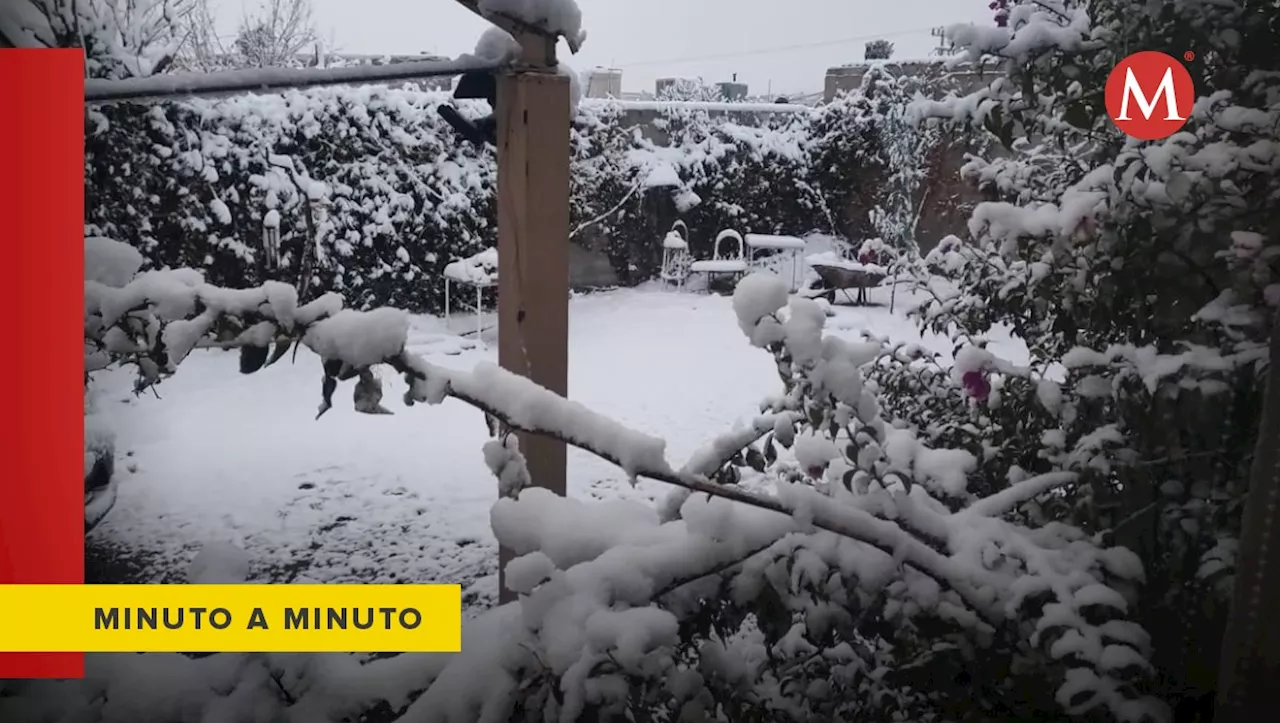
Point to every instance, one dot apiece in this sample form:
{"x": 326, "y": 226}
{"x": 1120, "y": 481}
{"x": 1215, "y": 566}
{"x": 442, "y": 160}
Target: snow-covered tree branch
{"x": 856, "y": 495}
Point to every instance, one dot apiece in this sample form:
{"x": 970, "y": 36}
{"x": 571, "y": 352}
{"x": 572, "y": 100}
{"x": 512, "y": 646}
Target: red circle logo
{"x": 1149, "y": 95}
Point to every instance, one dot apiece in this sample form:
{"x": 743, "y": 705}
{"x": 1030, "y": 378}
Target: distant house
{"x": 603, "y": 83}
{"x": 733, "y": 90}
{"x": 963, "y": 79}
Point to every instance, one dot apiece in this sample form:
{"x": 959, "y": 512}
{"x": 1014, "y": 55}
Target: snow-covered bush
{"x": 367, "y": 183}
{"x": 120, "y": 38}
{"x": 1142, "y": 278}
{"x": 379, "y": 187}
{"x": 818, "y": 562}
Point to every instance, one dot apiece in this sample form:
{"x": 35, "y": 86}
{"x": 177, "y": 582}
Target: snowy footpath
{"x": 221, "y": 457}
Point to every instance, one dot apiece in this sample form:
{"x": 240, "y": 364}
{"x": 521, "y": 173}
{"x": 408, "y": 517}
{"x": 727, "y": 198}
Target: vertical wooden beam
{"x": 533, "y": 252}
{"x": 1249, "y": 670}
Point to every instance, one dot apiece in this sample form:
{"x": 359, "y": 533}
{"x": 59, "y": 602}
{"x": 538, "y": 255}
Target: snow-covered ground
{"x": 222, "y": 457}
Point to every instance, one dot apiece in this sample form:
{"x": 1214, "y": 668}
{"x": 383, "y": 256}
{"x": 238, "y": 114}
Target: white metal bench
{"x": 479, "y": 272}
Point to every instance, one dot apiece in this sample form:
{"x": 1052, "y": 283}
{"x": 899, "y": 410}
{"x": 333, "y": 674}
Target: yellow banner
{"x": 230, "y": 618}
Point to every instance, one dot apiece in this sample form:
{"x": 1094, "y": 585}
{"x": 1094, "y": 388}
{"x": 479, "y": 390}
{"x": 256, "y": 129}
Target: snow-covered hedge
{"x": 370, "y": 178}
{"x": 375, "y": 187}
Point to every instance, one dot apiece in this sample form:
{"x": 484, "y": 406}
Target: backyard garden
{"x": 820, "y": 468}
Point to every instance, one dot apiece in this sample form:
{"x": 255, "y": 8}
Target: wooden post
{"x": 533, "y": 244}
{"x": 1249, "y": 669}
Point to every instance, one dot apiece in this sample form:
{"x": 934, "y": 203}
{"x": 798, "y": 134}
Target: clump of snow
{"x": 478, "y": 270}
{"x": 497, "y": 45}
{"x": 814, "y": 452}
{"x": 219, "y": 563}
{"x": 803, "y": 330}
{"x": 109, "y": 262}
{"x": 558, "y": 16}
{"x": 220, "y": 211}
{"x": 360, "y": 338}
{"x": 687, "y": 200}
{"x": 673, "y": 240}
{"x": 507, "y": 464}
{"x": 662, "y": 175}
{"x": 755, "y": 300}
{"x": 835, "y": 260}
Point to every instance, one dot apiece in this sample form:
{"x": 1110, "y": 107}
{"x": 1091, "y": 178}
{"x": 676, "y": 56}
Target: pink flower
{"x": 976, "y": 384}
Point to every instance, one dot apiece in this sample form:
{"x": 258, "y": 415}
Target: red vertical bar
{"x": 42, "y": 359}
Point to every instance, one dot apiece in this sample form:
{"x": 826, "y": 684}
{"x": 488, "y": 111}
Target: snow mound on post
{"x": 497, "y": 45}
{"x": 558, "y": 16}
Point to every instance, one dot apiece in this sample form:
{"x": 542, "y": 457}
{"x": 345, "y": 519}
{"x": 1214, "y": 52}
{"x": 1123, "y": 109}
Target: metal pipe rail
{"x": 235, "y": 82}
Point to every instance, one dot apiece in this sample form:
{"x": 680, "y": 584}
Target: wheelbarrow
{"x": 842, "y": 278}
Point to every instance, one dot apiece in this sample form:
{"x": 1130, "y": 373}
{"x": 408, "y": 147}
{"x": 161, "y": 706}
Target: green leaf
{"x": 728, "y": 475}
{"x": 327, "y": 388}
{"x": 755, "y": 460}
{"x": 252, "y": 358}
{"x": 772, "y": 615}
{"x": 332, "y": 367}
{"x": 770, "y": 453}
{"x": 1078, "y": 115}
{"x": 281, "y": 349}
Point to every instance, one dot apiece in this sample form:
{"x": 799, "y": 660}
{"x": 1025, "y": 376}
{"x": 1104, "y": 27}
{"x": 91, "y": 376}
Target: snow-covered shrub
{"x": 1141, "y": 277}
{"x": 379, "y": 187}
{"x": 120, "y": 38}
{"x": 367, "y": 181}
{"x": 816, "y": 563}
{"x": 754, "y": 177}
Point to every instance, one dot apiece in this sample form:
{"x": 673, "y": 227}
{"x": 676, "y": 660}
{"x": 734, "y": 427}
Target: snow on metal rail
{"x": 709, "y": 106}
{"x": 233, "y": 82}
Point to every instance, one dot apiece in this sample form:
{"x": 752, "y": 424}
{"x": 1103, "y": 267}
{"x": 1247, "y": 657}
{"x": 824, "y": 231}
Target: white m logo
{"x": 1133, "y": 89}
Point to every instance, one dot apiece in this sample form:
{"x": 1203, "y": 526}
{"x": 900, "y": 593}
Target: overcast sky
{"x": 778, "y": 46}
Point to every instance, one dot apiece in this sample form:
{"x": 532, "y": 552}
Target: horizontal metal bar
{"x": 232, "y": 82}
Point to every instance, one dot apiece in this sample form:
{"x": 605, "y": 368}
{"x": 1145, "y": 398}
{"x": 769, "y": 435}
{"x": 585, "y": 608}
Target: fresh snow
{"x": 769, "y": 241}
{"x": 562, "y": 17}
{"x": 833, "y": 259}
{"x": 109, "y": 262}
{"x": 478, "y": 270}
{"x": 662, "y": 175}
{"x": 239, "y": 461}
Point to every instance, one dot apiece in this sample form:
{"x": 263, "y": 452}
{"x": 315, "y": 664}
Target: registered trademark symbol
{"x": 1188, "y": 56}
